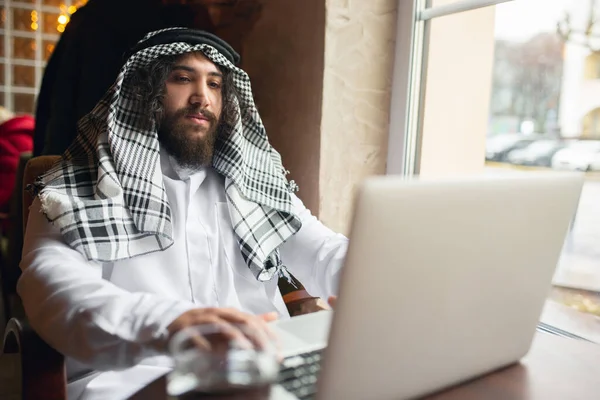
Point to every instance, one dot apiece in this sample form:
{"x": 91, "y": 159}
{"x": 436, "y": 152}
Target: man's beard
{"x": 180, "y": 138}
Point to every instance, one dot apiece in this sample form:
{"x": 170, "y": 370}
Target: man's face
{"x": 192, "y": 109}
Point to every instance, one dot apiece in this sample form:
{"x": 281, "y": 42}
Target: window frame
{"x": 409, "y": 78}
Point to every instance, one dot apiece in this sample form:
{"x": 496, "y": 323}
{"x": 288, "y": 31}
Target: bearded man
{"x": 170, "y": 209}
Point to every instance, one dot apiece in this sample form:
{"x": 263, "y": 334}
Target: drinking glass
{"x": 225, "y": 360}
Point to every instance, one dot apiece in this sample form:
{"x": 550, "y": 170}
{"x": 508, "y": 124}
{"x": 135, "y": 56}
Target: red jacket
{"x": 16, "y": 137}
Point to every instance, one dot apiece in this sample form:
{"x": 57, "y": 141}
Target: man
{"x": 170, "y": 209}
{"x": 93, "y": 44}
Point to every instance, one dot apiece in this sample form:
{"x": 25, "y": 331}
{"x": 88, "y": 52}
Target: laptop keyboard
{"x": 298, "y": 374}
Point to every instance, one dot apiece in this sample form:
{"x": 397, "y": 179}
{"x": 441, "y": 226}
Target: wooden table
{"x": 555, "y": 368}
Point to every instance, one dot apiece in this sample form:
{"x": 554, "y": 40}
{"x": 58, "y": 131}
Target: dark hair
{"x": 148, "y": 86}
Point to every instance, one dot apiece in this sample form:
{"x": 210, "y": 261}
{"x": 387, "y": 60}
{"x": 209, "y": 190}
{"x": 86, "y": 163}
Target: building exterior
{"x": 580, "y": 92}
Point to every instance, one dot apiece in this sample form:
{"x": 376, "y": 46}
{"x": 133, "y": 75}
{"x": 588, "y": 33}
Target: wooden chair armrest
{"x": 43, "y": 374}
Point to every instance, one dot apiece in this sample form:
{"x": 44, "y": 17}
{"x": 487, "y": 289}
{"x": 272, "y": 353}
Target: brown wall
{"x": 284, "y": 57}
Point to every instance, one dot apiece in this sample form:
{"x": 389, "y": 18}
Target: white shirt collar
{"x": 171, "y": 168}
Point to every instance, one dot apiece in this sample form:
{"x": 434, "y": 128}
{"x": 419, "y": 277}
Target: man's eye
{"x": 215, "y": 85}
{"x": 182, "y": 79}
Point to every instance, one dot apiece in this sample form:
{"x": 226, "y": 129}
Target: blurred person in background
{"x": 16, "y": 137}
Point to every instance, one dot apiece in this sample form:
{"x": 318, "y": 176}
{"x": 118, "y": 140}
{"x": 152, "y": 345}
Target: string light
{"x": 65, "y": 14}
{"x": 34, "y": 21}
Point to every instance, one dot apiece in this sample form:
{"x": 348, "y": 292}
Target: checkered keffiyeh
{"x": 106, "y": 194}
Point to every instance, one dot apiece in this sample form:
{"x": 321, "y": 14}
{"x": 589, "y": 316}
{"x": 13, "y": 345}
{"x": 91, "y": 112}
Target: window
{"x": 485, "y": 85}
{"x": 592, "y": 66}
{"x": 591, "y": 124}
{"x": 560, "y": 37}
{"x": 29, "y": 30}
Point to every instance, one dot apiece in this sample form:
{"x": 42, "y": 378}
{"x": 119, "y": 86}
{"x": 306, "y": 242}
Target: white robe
{"x": 104, "y": 317}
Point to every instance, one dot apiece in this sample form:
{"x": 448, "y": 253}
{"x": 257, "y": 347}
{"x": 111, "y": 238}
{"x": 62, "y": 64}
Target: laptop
{"x": 444, "y": 281}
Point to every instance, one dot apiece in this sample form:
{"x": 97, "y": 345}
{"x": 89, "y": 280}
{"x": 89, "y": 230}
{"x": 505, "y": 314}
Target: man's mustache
{"x": 195, "y": 110}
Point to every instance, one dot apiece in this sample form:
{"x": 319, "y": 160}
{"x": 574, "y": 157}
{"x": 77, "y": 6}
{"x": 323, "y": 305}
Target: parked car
{"x": 577, "y": 157}
{"x": 595, "y": 163}
{"x": 497, "y": 147}
{"x": 538, "y": 153}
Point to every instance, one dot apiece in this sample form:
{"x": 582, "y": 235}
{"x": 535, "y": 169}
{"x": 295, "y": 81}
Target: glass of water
{"x": 231, "y": 361}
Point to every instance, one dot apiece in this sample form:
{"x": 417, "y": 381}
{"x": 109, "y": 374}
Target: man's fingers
{"x": 232, "y": 315}
{"x": 332, "y": 301}
{"x": 273, "y": 336}
{"x": 233, "y": 333}
{"x": 248, "y": 331}
{"x": 269, "y": 317}
{"x": 258, "y": 331}
{"x": 217, "y": 335}
{"x": 200, "y": 342}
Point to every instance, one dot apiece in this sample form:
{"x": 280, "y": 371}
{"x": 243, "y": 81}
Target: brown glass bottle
{"x": 295, "y": 296}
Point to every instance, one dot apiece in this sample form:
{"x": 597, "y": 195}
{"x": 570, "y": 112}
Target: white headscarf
{"x": 107, "y": 195}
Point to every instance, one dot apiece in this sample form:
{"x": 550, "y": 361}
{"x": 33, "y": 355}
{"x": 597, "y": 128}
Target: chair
{"x": 42, "y": 367}
{"x": 9, "y": 268}
{"x": 43, "y": 374}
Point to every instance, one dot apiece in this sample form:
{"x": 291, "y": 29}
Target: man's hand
{"x": 332, "y": 301}
{"x": 227, "y": 320}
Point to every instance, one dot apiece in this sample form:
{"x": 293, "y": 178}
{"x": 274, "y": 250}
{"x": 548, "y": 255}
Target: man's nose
{"x": 200, "y": 96}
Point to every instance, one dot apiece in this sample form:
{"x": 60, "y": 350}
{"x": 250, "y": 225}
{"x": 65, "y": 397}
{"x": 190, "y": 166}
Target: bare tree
{"x": 529, "y": 74}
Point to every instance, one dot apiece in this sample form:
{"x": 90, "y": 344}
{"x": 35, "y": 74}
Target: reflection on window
{"x": 48, "y": 49}
{"x": 50, "y": 22}
{"x": 23, "y": 76}
{"x": 21, "y": 19}
{"x": 24, "y": 48}
{"x": 23, "y": 103}
{"x": 545, "y": 114}
{"x": 32, "y": 28}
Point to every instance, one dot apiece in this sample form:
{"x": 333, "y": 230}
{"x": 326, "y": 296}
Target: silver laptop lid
{"x": 443, "y": 281}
